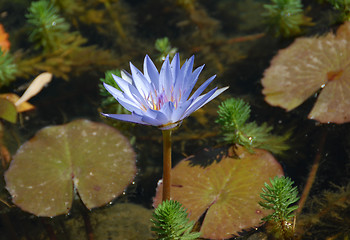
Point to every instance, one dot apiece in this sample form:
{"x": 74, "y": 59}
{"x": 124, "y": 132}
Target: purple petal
{"x": 188, "y": 66}
{"x": 175, "y": 66}
{"x": 180, "y": 110}
{"x": 189, "y": 83}
{"x": 202, "y": 87}
{"x": 151, "y": 121}
{"x": 126, "y": 117}
{"x": 168, "y": 109}
{"x": 123, "y": 84}
{"x": 166, "y": 79}
{"x": 128, "y": 103}
{"x": 216, "y": 93}
{"x": 140, "y": 82}
{"x": 200, "y": 101}
{"x": 134, "y": 94}
{"x": 151, "y": 72}
{"x": 112, "y": 90}
{"x": 130, "y": 106}
{"x": 126, "y": 76}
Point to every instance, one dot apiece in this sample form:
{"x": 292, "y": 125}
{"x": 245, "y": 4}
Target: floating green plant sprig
{"x": 171, "y": 222}
{"x": 108, "y": 100}
{"x": 8, "y": 68}
{"x": 280, "y": 197}
{"x": 164, "y": 47}
{"x": 343, "y": 6}
{"x": 233, "y": 116}
{"x": 285, "y": 17}
{"x": 47, "y": 26}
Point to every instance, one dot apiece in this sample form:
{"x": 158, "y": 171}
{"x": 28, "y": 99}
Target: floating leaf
{"x": 23, "y": 107}
{"x": 4, "y": 42}
{"x": 227, "y": 191}
{"x": 308, "y": 65}
{"x": 8, "y": 110}
{"x": 95, "y": 157}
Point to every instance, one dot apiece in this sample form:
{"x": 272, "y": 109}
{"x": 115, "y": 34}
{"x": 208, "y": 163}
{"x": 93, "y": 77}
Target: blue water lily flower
{"x": 161, "y": 99}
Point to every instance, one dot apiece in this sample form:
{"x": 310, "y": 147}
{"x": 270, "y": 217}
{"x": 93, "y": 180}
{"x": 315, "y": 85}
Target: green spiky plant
{"x": 108, "y": 100}
{"x": 285, "y": 17}
{"x": 164, "y": 48}
{"x": 47, "y": 26}
{"x": 280, "y": 197}
{"x": 8, "y": 68}
{"x": 343, "y": 6}
{"x": 171, "y": 223}
{"x": 233, "y": 116}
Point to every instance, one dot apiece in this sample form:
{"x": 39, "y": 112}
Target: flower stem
{"x": 166, "y": 164}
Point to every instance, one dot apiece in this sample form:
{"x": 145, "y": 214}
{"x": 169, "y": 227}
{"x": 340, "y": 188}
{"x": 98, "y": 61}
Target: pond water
{"x": 88, "y": 38}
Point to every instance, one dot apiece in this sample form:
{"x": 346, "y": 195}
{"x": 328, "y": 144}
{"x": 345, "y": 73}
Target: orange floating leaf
{"x": 305, "y": 67}
{"x": 23, "y": 107}
{"x": 4, "y": 42}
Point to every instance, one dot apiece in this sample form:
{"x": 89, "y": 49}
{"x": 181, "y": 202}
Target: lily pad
{"x": 23, "y": 107}
{"x": 92, "y": 158}
{"x": 305, "y": 67}
{"x": 8, "y": 111}
{"x": 226, "y": 191}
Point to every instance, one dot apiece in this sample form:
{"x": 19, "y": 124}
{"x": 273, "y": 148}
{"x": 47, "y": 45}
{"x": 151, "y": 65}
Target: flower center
{"x": 156, "y": 101}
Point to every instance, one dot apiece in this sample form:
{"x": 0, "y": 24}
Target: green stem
{"x": 166, "y": 164}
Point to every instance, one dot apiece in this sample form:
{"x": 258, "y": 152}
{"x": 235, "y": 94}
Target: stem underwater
{"x": 166, "y": 164}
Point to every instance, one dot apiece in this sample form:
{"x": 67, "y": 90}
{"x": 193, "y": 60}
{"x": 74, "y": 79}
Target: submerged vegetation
{"x": 47, "y": 27}
{"x": 280, "y": 197}
{"x": 8, "y": 68}
{"x": 285, "y": 17}
{"x": 171, "y": 222}
{"x": 84, "y": 41}
{"x": 233, "y": 117}
{"x": 343, "y": 6}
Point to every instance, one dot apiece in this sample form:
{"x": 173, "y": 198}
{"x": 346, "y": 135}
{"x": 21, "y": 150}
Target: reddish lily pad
{"x": 93, "y": 158}
{"x": 305, "y": 67}
{"x": 227, "y": 191}
{"x": 8, "y": 111}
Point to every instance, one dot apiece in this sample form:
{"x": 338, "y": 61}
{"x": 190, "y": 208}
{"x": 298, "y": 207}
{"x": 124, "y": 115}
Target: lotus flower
{"x": 161, "y": 99}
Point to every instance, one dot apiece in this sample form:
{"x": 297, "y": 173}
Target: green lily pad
{"x": 92, "y": 158}
{"x": 226, "y": 191}
{"x": 8, "y": 110}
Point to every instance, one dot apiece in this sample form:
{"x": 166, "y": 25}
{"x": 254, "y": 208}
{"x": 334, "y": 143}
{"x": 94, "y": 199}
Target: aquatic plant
{"x": 62, "y": 52}
{"x": 92, "y": 159}
{"x": 285, "y": 17}
{"x": 343, "y": 6}
{"x": 328, "y": 215}
{"x": 161, "y": 99}
{"x": 280, "y": 197}
{"x": 233, "y": 116}
{"x": 313, "y": 65}
{"x": 8, "y": 68}
{"x": 47, "y": 26}
{"x": 7, "y": 112}
{"x": 164, "y": 48}
{"x": 220, "y": 188}
{"x": 108, "y": 100}
{"x": 171, "y": 222}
